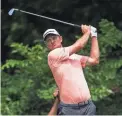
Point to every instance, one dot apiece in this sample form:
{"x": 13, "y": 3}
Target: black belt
{"x": 76, "y": 105}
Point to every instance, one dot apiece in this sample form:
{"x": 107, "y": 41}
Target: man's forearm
{"x": 80, "y": 43}
{"x": 95, "y": 49}
{"x": 83, "y": 40}
{"x": 54, "y": 108}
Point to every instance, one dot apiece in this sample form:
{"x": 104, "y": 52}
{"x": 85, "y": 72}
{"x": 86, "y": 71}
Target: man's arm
{"x": 54, "y": 108}
{"x": 94, "y": 54}
{"x": 81, "y": 42}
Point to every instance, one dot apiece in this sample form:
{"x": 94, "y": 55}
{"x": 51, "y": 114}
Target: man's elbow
{"x": 95, "y": 62}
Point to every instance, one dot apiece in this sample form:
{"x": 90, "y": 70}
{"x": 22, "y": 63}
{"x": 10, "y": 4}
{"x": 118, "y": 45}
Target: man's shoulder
{"x": 53, "y": 52}
{"x": 49, "y": 54}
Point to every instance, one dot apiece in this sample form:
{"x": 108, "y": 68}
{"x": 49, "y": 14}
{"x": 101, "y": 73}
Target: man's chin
{"x": 54, "y": 47}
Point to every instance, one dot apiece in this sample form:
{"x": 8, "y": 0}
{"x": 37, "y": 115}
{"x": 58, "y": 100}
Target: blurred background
{"x": 26, "y": 80}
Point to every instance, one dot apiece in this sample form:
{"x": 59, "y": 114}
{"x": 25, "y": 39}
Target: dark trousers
{"x": 84, "y": 108}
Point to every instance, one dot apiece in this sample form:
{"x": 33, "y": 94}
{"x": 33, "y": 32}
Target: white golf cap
{"x": 50, "y": 31}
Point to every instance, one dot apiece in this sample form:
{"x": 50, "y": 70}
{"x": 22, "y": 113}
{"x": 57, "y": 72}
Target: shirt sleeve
{"x": 83, "y": 60}
{"x": 59, "y": 54}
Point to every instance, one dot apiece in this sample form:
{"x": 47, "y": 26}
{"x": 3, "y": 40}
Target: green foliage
{"x": 28, "y": 87}
{"x": 15, "y": 92}
{"x": 110, "y": 105}
{"x": 31, "y": 81}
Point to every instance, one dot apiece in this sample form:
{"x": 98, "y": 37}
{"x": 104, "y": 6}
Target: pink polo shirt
{"x": 68, "y": 74}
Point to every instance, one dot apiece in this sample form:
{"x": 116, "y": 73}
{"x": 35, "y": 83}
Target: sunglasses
{"x": 50, "y": 38}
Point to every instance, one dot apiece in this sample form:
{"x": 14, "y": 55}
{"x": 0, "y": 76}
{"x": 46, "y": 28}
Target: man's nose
{"x": 52, "y": 40}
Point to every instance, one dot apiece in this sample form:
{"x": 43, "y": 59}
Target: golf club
{"x": 45, "y": 17}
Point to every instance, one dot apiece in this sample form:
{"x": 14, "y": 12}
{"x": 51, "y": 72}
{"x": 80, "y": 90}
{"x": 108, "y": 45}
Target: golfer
{"x": 67, "y": 69}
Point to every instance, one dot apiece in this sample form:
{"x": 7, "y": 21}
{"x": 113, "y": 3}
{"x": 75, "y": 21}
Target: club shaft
{"x": 45, "y": 17}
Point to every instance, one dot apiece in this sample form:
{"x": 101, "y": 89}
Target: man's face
{"x": 53, "y": 41}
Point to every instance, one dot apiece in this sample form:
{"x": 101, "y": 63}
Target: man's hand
{"x": 85, "y": 29}
{"x": 56, "y": 92}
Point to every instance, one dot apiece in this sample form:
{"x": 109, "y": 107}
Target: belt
{"x": 76, "y": 105}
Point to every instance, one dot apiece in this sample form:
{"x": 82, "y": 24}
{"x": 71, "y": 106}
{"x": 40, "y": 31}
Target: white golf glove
{"x": 93, "y": 32}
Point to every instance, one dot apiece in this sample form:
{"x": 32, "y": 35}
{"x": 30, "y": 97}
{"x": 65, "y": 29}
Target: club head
{"x": 11, "y": 11}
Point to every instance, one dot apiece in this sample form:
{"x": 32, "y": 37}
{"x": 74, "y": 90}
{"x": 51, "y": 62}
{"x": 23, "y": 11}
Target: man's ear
{"x": 61, "y": 39}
